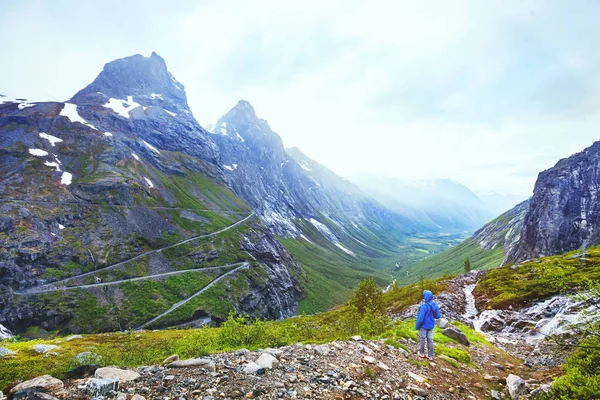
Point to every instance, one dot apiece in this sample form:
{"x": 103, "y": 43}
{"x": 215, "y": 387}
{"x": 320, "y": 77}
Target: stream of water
{"x": 554, "y": 316}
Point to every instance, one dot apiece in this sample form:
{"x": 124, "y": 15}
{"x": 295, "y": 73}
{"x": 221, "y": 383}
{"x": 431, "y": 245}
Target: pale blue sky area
{"x": 488, "y": 93}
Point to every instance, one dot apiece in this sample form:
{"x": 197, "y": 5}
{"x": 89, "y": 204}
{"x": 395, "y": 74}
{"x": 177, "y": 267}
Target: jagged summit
{"x": 242, "y": 123}
{"x": 146, "y": 79}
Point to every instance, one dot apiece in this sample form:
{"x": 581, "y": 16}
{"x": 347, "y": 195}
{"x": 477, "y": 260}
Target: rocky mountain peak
{"x": 242, "y": 123}
{"x": 145, "y": 80}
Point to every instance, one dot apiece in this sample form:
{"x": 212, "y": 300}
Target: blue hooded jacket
{"x": 428, "y": 312}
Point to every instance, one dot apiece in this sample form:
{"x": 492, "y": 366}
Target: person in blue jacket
{"x": 428, "y": 313}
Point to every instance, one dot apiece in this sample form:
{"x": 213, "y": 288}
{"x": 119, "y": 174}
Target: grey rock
{"x": 322, "y": 349}
{"x": 101, "y": 386}
{"x": 251, "y": 368}
{"x": 494, "y": 395}
{"x": 123, "y": 375}
{"x": 194, "y": 362}
{"x": 457, "y": 335}
{"x": 6, "y": 352}
{"x": 266, "y": 361}
{"x": 44, "y": 348}
{"x": 45, "y": 383}
{"x": 73, "y": 337}
{"x": 516, "y": 386}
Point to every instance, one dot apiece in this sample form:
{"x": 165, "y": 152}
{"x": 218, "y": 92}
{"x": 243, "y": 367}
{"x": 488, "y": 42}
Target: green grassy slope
{"x": 451, "y": 261}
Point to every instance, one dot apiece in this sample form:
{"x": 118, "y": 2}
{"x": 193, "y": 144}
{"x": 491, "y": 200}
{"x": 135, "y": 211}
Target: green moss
{"x": 520, "y": 284}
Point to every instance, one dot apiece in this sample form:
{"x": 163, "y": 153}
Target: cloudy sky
{"x": 488, "y": 93}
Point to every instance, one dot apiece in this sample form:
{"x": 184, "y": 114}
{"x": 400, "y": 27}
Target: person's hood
{"x": 427, "y": 295}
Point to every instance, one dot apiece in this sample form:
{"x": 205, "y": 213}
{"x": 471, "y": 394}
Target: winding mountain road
{"x": 139, "y": 278}
{"x": 53, "y": 285}
{"x": 182, "y": 302}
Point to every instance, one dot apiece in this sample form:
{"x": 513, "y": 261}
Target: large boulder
{"x": 123, "y": 375}
{"x": 44, "y": 383}
{"x": 516, "y": 386}
{"x": 456, "y": 334}
{"x": 266, "y": 361}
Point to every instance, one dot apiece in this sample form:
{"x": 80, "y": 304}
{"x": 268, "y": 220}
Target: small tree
{"x": 367, "y": 295}
{"x": 467, "y": 264}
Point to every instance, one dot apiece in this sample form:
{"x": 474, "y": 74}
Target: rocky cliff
{"x": 564, "y": 212}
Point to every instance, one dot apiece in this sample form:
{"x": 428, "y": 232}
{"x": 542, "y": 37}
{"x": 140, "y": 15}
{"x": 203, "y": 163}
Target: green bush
{"x": 582, "y": 373}
{"x": 368, "y": 295}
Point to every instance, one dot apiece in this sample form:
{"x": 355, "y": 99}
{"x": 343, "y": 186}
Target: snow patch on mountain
{"x": 149, "y": 182}
{"x": 52, "y": 139}
{"x": 148, "y": 145}
{"x": 121, "y": 107}
{"x": 38, "y": 152}
{"x": 66, "y": 178}
{"x": 70, "y": 111}
{"x": 53, "y": 165}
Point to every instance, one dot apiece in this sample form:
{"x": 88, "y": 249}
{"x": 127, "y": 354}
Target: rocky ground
{"x": 356, "y": 369}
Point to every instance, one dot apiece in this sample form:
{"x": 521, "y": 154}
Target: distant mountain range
{"x": 438, "y": 204}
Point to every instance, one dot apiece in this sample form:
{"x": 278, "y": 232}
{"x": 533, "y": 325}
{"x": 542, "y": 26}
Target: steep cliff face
{"x": 108, "y": 188}
{"x": 564, "y": 212}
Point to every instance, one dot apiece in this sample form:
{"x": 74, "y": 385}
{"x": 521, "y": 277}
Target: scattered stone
{"x": 123, "y": 375}
{"x": 44, "y": 348}
{"x": 251, "y": 368}
{"x": 73, "y": 337}
{"x": 456, "y": 334}
{"x": 322, "y": 349}
{"x": 356, "y": 338}
{"x": 194, "y": 362}
{"x": 417, "y": 377}
{"x": 4, "y": 352}
{"x": 44, "y": 383}
{"x": 171, "y": 359}
{"x": 137, "y": 397}
{"x": 101, "y": 386}
{"x": 274, "y": 352}
{"x": 417, "y": 390}
{"x": 383, "y": 366}
{"x": 169, "y": 377}
{"x": 499, "y": 366}
{"x": 446, "y": 370}
{"x": 369, "y": 359}
{"x": 121, "y": 396}
{"x": 87, "y": 357}
{"x": 266, "y": 361}
{"x": 516, "y": 386}
{"x": 494, "y": 395}
{"x": 478, "y": 385}
{"x": 402, "y": 351}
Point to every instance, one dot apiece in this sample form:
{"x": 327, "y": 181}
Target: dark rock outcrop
{"x": 564, "y": 212}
